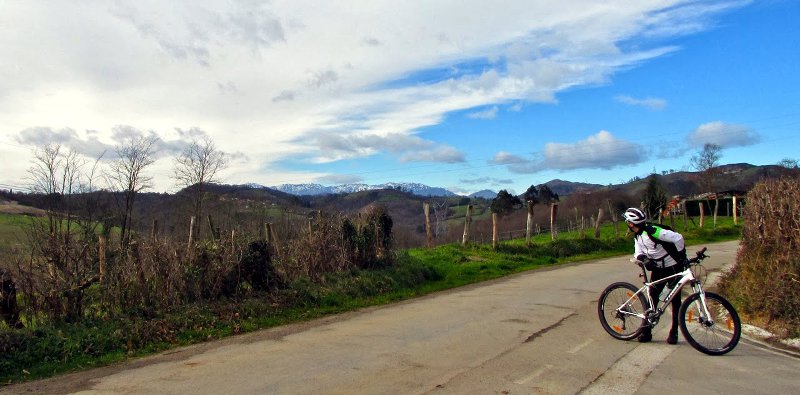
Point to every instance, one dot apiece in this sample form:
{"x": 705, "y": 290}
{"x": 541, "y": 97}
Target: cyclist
{"x": 666, "y": 249}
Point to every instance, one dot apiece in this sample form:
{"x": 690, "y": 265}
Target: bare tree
{"x": 198, "y": 166}
{"x": 64, "y": 259}
{"x": 706, "y": 162}
{"x": 788, "y": 163}
{"x": 55, "y": 173}
{"x": 127, "y": 174}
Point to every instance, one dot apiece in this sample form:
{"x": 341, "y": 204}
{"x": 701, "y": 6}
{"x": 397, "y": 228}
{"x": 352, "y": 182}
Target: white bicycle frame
{"x": 686, "y": 277}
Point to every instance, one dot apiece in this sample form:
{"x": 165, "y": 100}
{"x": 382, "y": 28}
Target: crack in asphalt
{"x": 541, "y": 332}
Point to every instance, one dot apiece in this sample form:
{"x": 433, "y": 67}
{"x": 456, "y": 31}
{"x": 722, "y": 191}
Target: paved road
{"x": 531, "y": 333}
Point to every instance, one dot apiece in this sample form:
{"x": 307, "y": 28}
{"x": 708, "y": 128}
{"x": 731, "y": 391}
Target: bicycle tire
{"x": 716, "y": 337}
{"x": 622, "y": 327}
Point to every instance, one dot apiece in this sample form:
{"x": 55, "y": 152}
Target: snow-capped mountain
{"x": 317, "y": 189}
{"x": 486, "y": 194}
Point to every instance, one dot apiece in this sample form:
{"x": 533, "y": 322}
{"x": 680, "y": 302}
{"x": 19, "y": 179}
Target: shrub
{"x": 256, "y": 266}
{"x": 334, "y": 243}
{"x": 765, "y": 284}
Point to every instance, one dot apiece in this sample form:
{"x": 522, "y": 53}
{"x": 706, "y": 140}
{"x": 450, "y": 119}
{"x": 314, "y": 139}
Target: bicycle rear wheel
{"x": 616, "y": 310}
{"x": 716, "y": 334}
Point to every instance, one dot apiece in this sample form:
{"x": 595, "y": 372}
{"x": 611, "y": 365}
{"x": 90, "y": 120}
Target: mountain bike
{"x": 707, "y": 320}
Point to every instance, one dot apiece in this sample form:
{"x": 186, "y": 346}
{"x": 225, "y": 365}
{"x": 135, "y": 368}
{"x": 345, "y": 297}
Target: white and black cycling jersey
{"x": 644, "y": 243}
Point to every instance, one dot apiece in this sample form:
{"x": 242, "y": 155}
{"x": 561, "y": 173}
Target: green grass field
{"x": 12, "y": 229}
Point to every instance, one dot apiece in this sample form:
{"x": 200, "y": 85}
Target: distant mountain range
{"x": 484, "y": 194}
{"x": 738, "y": 176}
{"x": 317, "y": 189}
{"x": 558, "y": 186}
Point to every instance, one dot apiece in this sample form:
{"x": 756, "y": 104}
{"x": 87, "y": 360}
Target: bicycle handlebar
{"x": 700, "y": 256}
{"x": 641, "y": 260}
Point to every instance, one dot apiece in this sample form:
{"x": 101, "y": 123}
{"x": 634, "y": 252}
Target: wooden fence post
{"x": 702, "y": 214}
{"x": 553, "y": 212}
{"x": 716, "y": 209}
{"x": 154, "y": 231}
{"x": 494, "y": 230}
{"x": 191, "y": 232}
{"x": 272, "y": 238}
{"x": 735, "y": 212}
{"x": 529, "y": 224}
{"x": 428, "y": 236}
{"x": 467, "y": 221}
{"x": 597, "y": 223}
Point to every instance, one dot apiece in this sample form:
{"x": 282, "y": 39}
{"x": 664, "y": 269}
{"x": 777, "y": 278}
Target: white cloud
{"x": 441, "y": 154}
{"x": 489, "y": 113}
{"x": 649, "y": 102}
{"x": 264, "y": 79}
{"x": 600, "y": 151}
{"x": 339, "y": 179}
{"x": 724, "y": 135}
{"x": 493, "y": 181}
{"x": 408, "y": 148}
{"x": 506, "y": 158}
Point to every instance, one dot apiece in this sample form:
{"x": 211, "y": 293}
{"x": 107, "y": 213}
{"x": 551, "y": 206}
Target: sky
{"x": 465, "y": 95}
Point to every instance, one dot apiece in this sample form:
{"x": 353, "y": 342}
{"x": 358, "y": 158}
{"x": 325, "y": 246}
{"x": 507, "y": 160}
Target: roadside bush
{"x": 334, "y": 243}
{"x": 765, "y": 284}
{"x": 144, "y": 280}
{"x": 256, "y": 267}
{"x": 323, "y": 248}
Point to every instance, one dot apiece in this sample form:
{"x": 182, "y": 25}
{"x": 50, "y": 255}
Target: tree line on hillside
{"x": 649, "y": 193}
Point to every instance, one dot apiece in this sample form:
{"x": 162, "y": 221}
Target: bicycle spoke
{"x": 621, "y": 311}
{"x": 714, "y": 333}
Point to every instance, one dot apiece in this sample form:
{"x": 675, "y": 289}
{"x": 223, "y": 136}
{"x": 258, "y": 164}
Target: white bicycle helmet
{"x": 634, "y": 216}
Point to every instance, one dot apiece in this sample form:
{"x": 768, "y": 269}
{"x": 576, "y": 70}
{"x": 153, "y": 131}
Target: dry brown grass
{"x": 10, "y": 207}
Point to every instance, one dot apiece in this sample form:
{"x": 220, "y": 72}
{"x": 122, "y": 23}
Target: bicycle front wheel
{"x": 715, "y": 334}
{"x": 621, "y": 313}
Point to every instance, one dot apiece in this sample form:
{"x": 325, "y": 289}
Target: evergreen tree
{"x": 546, "y": 195}
{"x": 531, "y": 195}
{"x": 654, "y": 198}
{"x": 504, "y": 203}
